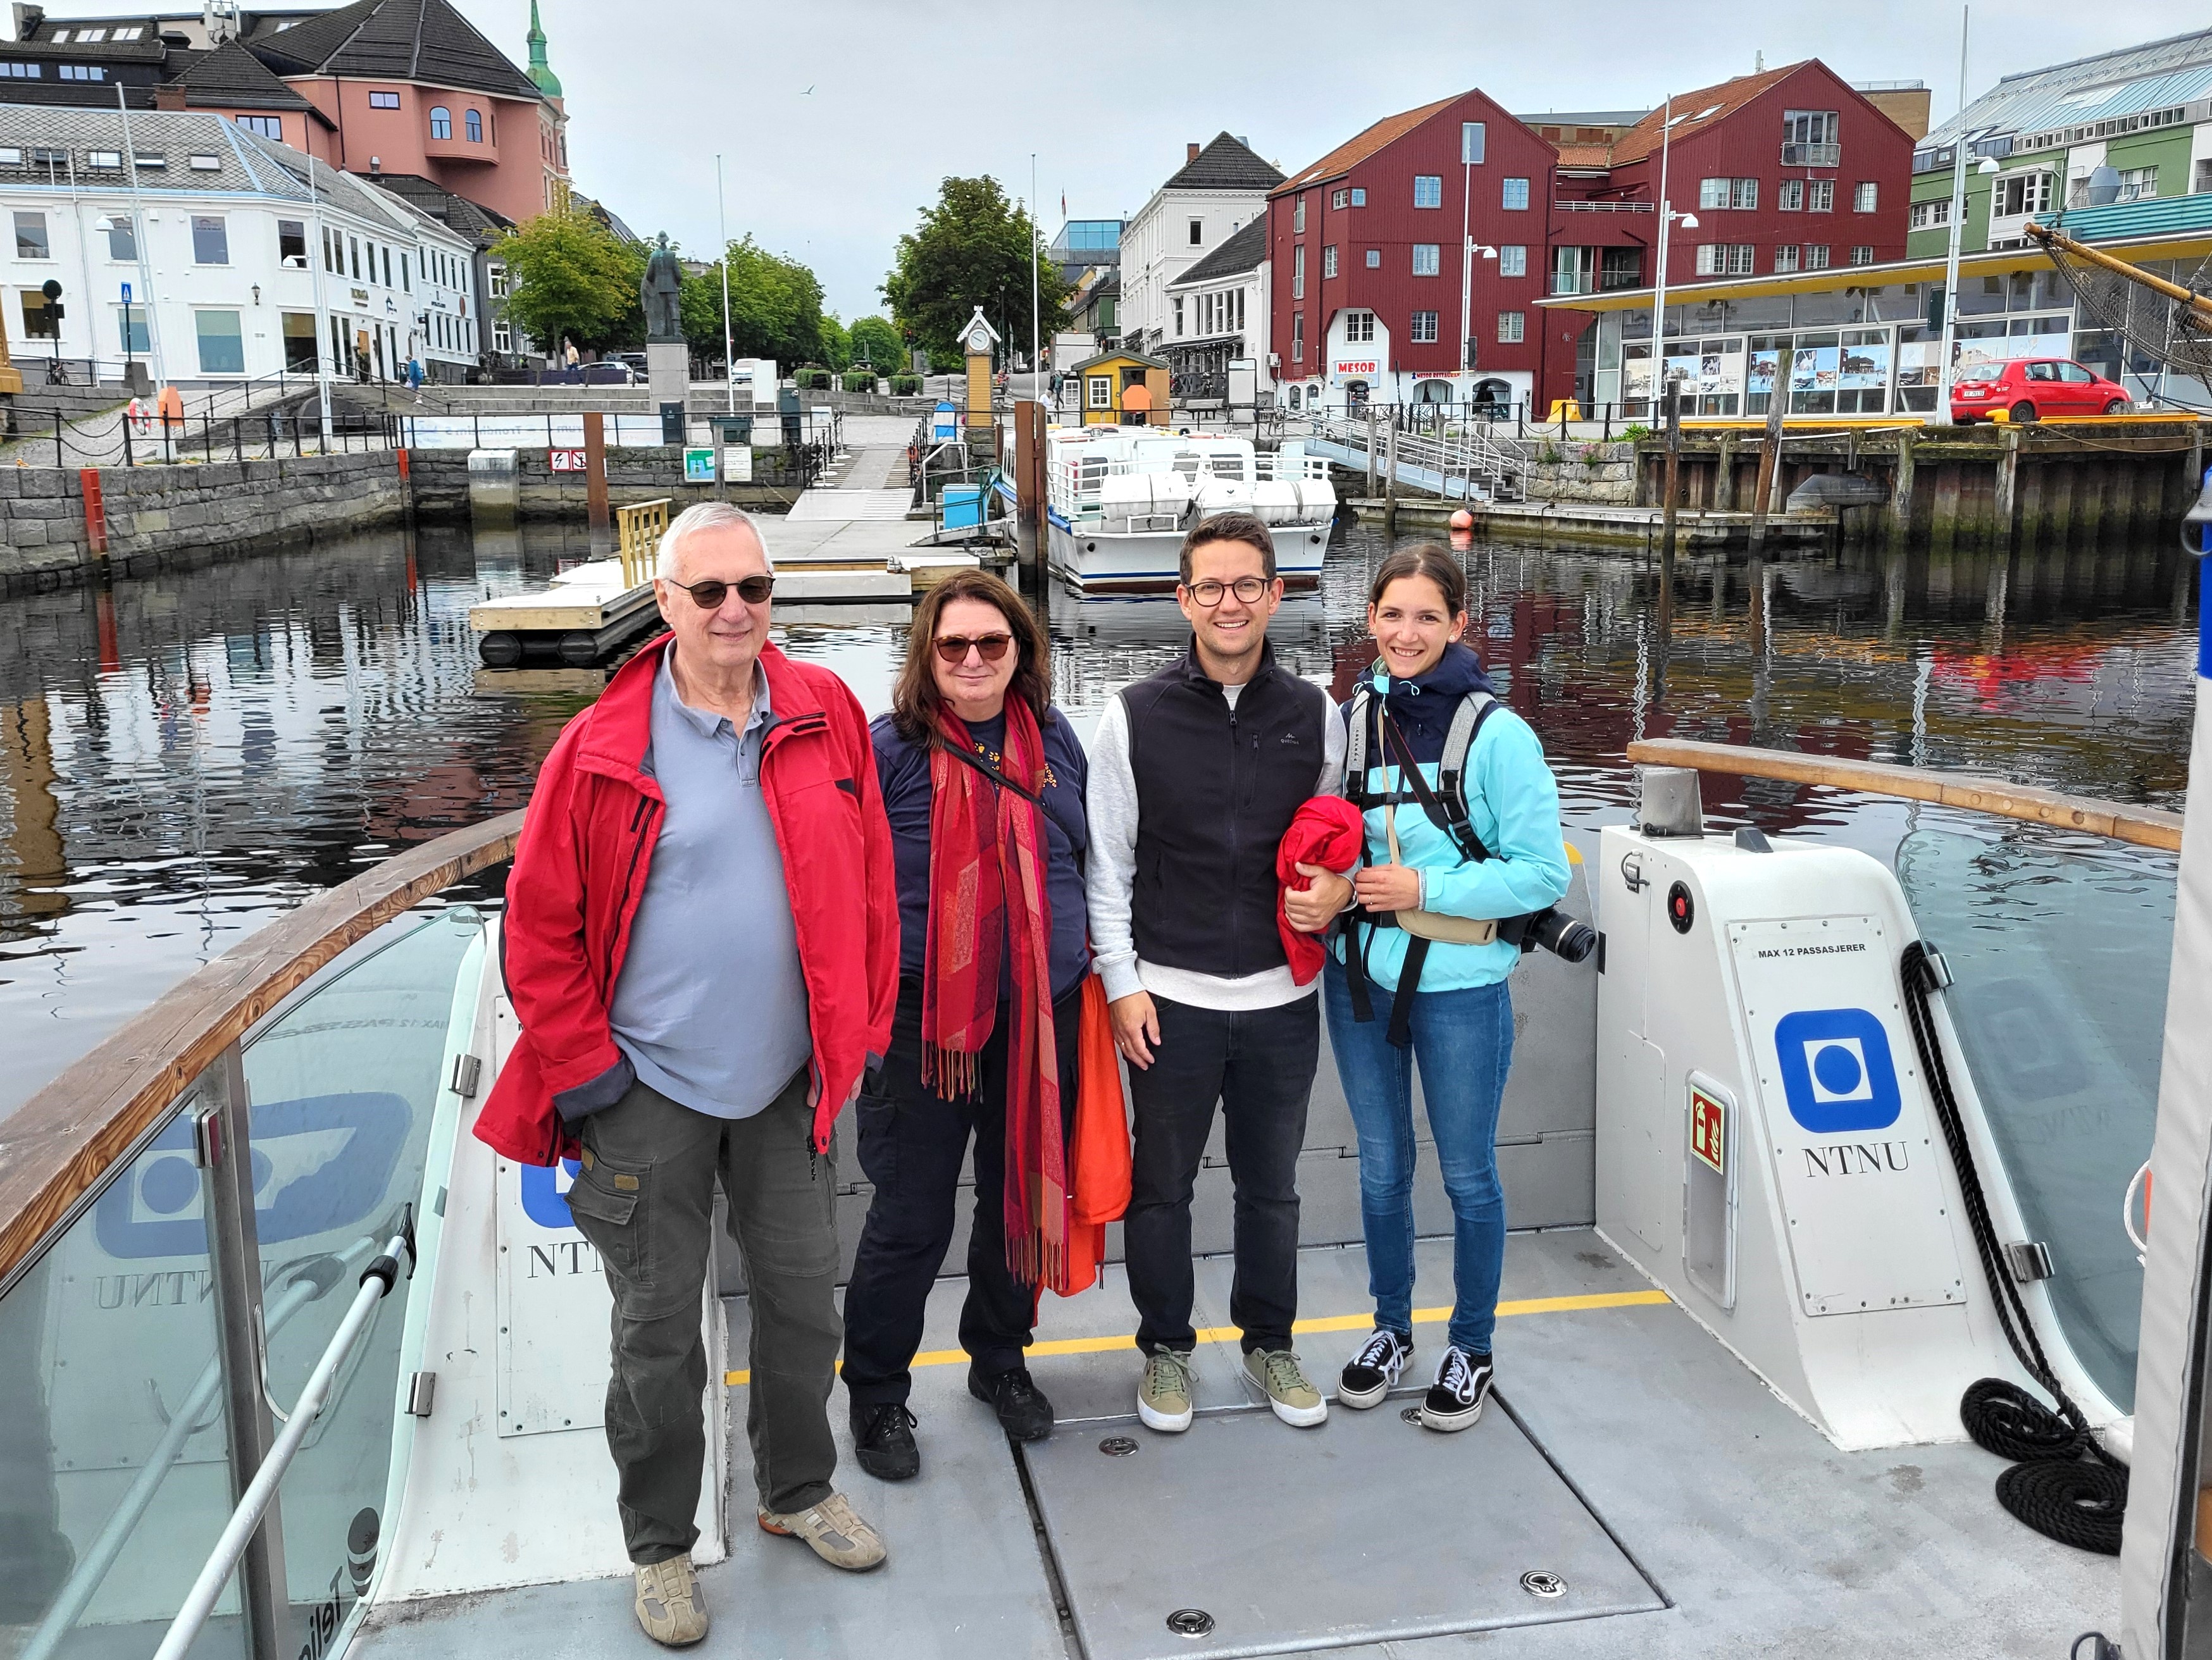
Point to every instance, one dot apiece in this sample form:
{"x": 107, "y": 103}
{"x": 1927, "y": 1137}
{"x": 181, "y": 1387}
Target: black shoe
{"x": 883, "y": 1440}
{"x": 1024, "y": 1412}
{"x": 1455, "y": 1399}
{"x": 1373, "y": 1372}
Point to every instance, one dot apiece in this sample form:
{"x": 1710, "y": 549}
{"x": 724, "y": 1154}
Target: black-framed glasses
{"x": 954, "y": 648}
{"x": 1209, "y": 592}
{"x": 709, "y": 596}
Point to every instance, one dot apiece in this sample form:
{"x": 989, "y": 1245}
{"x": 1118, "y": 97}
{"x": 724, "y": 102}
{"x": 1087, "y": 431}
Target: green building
{"x": 2145, "y": 112}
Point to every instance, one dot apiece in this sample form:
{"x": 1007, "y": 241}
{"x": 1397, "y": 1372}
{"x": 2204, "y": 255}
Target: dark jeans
{"x": 1259, "y": 1064}
{"x": 645, "y": 1200}
{"x": 912, "y": 1143}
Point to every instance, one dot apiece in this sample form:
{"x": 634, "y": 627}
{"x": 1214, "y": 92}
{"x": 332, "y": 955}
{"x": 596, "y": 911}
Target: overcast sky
{"x": 1107, "y": 95}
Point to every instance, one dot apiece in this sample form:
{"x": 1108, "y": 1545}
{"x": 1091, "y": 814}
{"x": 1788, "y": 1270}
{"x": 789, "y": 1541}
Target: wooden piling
{"x": 1900, "y": 489}
{"x": 1770, "y": 452}
{"x": 1672, "y": 488}
{"x": 2008, "y": 489}
{"x": 1724, "y": 474}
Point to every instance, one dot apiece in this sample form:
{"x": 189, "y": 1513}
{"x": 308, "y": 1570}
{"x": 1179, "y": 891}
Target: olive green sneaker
{"x": 668, "y": 1604}
{"x": 1164, "y": 1392}
{"x": 1277, "y": 1375}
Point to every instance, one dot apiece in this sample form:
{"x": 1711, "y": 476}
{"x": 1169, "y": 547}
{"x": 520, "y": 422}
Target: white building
{"x": 1220, "y": 189}
{"x": 1217, "y": 315}
{"x": 239, "y": 256}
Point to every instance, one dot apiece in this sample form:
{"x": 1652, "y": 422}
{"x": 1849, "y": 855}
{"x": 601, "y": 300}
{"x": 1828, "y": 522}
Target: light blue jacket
{"x": 1513, "y": 806}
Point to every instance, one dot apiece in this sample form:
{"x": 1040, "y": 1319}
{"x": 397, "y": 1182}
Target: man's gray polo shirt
{"x": 711, "y": 1004}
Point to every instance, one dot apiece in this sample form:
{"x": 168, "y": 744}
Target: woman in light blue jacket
{"x": 1411, "y": 975}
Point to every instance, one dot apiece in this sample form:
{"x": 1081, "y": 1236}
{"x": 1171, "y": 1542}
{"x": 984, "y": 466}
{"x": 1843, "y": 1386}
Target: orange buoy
{"x": 1462, "y": 519}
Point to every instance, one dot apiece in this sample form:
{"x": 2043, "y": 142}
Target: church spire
{"x": 541, "y": 72}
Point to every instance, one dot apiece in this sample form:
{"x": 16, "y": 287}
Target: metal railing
{"x": 1603, "y": 207}
{"x": 55, "y": 438}
{"x": 1812, "y": 156}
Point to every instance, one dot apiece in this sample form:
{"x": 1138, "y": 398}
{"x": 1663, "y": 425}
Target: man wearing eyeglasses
{"x": 1196, "y": 774}
{"x": 701, "y": 945}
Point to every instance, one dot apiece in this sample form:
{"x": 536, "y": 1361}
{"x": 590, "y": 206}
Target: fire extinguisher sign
{"x": 1709, "y": 1130}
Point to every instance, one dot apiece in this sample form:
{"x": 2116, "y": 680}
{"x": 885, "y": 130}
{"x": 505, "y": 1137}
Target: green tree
{"x": 775, "y": 308}
{"x": 880, "y": 343}
{"x": 974, "y": 248}
{"x": 570, "y": 277}
{"x": 837, "y": 343}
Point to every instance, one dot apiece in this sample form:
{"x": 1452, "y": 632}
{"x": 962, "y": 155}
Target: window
{"x": 1299, "y": 217}
{"x": 1375, "y": 259}
{"x": 122, "y": 237}
{"x": 1471, "y": 136}
{"x": 84, "y": 72}
{"x": 1620, "y": 268}
{"x": 299, "y": 342}
{"x": 1862, "y": 254}
{"x": 353, "y": 244}
{"x": 406, "y": 285}
{"x": 130, "y": 329}
{"x": 1511, "y": 326}
{"x": 441, "y": 122}
{"x": 1809, "y": 138}
{"x": 1931, "y": 215}
{"x": 502, "y": 339}
{"x": 1816, "y": 256}
{"x": 40, "y": 322}
{"x": 1515, "y": 199}
{"x": 1570, "y": 270}
{"x": 1786, "y": 257}
{"x": 1724, "y": 259}
{"x": 204, "y": 163}
{"x": 1820, "y": 195}
{"x": 1791, "y": 198}
{"x": 497, "y": 272}
{"x": 210, "y": 240}
{"x": 1358, "y": 327}
{"x": 2203, "y": 176}
{"x": 20, "y": 71}
{"x": 131, "y": 33}
{"x": 1428, "y": 258}
{"x": 88, "y": 36}
{"x": 1297, "y": 337}
{"x": 1428, "y": 190}
{"x": 384, "y": 101}
{"x": 150, "y": 158}
{"x": 222, "y": 342}
{"x": 1864, "y": 195}
{"x": 269, "y": 126}
{"x": 1359, "y": 195}
{"x": 104, "y": 161}
{"x": 2019, "y": 193}
{"x": 329, "y": 262}
{"x": 1100, "y": 388}
{"x": 31, "y": 237}
{"x": 1340, "y": 198}
{"x": 1728, "y": 193}
{"x": 1328, "y": 262}
{"x": 2138, "y": 184}
{"x": 292, "y": 242}
{"x": 387, "y": 267}
{"x": 1178, "y": 315}
{"x": 475, "y": 126}
{"x": 1424, "y": 331}
{"x": 1299, "y": 271}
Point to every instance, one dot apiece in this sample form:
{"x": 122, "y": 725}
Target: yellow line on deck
{"x": 1611, "y": 1299}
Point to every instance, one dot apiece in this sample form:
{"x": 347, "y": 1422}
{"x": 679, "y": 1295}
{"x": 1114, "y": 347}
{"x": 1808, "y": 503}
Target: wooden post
{"x": 1770, "y": 453}
{"x": 96, "y": 509}
{"x": 1900, "y": 489}
{"x": 2007, "y": 492}
{"x": 1370, "y": 452}
{"x": 1724, "y": 478}
{"x": 595, "y": 468}
{"x": 1028, "y": 478}
{"x": 1390, "y": 485}
{"x": 1672, "y": 491}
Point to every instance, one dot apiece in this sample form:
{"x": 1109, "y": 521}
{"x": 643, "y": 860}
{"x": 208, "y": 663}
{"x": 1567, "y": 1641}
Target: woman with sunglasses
{"x": 982, "y": 781}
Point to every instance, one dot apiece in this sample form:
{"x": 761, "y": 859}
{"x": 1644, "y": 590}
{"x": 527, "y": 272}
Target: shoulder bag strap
{"x": 968, "y": 758}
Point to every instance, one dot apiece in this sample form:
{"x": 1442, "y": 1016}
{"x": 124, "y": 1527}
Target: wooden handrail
{"x": 60, "y": 1144}
{"x": 2145, "y": 827}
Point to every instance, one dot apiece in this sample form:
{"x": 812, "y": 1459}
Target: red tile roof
{"x": 1695, "y": 111}
{"x": 1584, "y": 156}
{"x": 1345, "y": 157}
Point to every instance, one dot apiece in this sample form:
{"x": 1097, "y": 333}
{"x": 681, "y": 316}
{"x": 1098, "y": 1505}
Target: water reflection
{"x": 184, "y": 756}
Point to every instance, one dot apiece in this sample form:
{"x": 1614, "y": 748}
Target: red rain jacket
{"x": 1326, "y": 831}
{"x": 579, "y": 870}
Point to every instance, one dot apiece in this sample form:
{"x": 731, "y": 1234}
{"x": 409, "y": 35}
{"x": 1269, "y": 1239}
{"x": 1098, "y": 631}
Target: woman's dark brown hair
{"x": 1430, "y": 559}
{"x": 915, "y": 699}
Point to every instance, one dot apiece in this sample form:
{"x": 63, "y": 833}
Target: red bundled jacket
{"x": 1326, "y": 831}
{"x": 580, "y": 869}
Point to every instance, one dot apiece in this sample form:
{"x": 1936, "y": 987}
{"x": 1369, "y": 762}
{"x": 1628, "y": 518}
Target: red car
{"x": 2029, "y": 388}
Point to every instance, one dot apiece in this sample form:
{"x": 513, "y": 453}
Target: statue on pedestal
{"x": 663, "y": 283}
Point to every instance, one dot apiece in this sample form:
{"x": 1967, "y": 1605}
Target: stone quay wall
{"x": 161, "y": 516}
{"x": 644, "y": 474}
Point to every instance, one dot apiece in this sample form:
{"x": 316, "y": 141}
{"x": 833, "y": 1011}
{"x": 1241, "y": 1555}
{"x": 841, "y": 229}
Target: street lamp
{"x": 1667, "y": 218}
{"x": 1467, "y": 298}
{"x": 1941, "y": 416}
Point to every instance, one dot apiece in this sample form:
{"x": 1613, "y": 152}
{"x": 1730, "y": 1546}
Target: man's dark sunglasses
{"x": 709, "y": 596}
{"x": 953, "y": 648}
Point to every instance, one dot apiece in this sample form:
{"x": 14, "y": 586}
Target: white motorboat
{"x": 1121, "y": 498}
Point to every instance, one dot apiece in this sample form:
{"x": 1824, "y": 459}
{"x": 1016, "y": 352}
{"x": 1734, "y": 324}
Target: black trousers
{"x": 1259, "y": 1064}
{"x": 911, "y": 1144}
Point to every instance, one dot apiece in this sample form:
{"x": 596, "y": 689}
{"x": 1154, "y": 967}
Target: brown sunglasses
{"x": 709, "y": 596}
{"x": 953, "y": 648}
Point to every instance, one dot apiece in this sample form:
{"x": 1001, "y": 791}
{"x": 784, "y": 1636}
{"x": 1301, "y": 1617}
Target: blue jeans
{"x": 1464, "y": 1042}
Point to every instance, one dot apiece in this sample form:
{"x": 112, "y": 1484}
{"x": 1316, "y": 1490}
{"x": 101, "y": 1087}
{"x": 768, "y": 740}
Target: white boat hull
{"x": 1145, "y": 562}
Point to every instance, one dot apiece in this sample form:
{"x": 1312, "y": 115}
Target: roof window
{"x": 205, "y": 163}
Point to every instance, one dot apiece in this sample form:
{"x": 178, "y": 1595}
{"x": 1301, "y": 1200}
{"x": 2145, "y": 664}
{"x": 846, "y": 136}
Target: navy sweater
{"x": 903, "y": 773}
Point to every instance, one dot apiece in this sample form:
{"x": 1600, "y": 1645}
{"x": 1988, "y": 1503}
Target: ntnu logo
{"x": 1837, "y": 1073}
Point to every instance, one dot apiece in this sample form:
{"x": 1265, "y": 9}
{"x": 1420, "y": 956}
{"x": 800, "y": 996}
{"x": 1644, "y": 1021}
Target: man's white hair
{"x": 706, "y": 516}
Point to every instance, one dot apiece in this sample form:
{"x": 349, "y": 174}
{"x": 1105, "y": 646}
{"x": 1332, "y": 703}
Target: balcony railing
{"x": 1603, "y": 207}
{"x": 1812, "y": 156}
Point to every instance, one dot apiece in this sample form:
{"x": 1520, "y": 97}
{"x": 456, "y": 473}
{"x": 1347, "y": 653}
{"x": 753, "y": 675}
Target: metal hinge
{"x": 2030, "y": 1261}
{"x": 1631, "y": 872}
{"x": 422, "y": 1390}
{"x": 1939, "y": 971}
{"x": 466, "y": 1070}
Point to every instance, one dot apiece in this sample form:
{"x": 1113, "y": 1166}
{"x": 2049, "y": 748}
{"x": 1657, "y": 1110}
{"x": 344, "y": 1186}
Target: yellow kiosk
{"x": 1123, "y": 388}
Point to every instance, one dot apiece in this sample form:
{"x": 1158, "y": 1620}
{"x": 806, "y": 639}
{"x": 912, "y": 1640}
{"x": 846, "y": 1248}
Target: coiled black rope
{"x": 2051, "y": 1486}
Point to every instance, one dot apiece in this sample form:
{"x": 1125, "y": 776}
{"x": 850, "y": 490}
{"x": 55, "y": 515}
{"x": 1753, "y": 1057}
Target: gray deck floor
{"x": 1746, "y": 1532}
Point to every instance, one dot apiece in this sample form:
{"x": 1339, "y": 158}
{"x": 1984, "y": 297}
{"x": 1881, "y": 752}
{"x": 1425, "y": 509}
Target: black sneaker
{"x": 1024, "y": 1412}
{"x": 1455, "y": 1400}
{"x": 883, "y": 1440}
{"x": 1373, "y": 1372}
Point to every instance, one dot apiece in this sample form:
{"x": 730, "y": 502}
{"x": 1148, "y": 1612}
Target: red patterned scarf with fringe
{"x": 987, "y": 853}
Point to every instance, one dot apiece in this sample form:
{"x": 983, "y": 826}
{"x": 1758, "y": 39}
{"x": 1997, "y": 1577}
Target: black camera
{"x": 1567, "y": 937}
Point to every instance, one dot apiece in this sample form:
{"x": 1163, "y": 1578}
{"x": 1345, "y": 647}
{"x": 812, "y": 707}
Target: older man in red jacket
{"x": 702, "y": 944}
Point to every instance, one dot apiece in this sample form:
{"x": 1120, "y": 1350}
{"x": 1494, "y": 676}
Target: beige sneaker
{"x": 835, "y": 1531}
{"x": 1164, "y": 1392}
{"x": 668, "y": 1603}
{"x": 1277, "y": 1375}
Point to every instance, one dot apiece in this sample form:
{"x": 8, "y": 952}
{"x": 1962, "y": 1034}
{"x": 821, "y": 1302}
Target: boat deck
{"x": 1687, "y": 1510}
